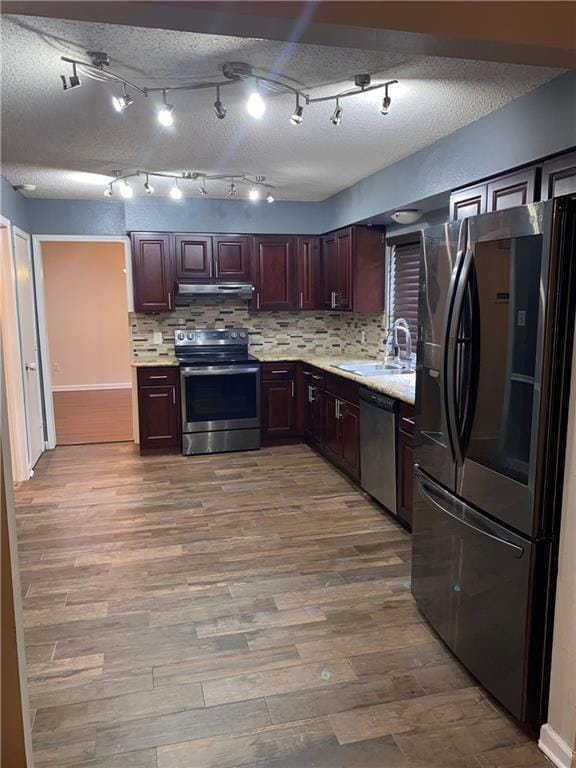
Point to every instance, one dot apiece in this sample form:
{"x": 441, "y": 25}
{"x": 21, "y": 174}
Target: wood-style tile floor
{"x": 245, "y": 610}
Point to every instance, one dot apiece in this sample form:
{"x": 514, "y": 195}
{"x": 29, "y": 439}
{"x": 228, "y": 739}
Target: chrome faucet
{"x": 401, "y": 325}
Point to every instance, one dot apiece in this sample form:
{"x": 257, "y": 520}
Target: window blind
{"x": 404, "y": 287}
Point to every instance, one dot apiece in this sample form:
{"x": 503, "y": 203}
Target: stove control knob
{"x": 242, "y": 334}
{"x": 180, "y": 336}
{"x": 191, "y": 336}
{"x": 233, "y": 334}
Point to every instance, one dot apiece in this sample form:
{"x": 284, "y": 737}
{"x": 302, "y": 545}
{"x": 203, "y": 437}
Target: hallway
{"x": 234, "y": 610}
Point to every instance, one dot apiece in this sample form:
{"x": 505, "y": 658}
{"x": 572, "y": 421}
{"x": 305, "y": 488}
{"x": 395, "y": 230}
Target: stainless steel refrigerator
{"x": 495, "y": 343}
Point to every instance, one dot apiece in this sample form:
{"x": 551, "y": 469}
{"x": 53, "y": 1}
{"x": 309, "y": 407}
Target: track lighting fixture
{"x": 336, "y": 118}
{"x": 232, "y": 191}
{"x": 256, "y": 106}
{"x": 126, "y": 190}
{"x": 149, "y": 189}
{"x": 108, "y": 192}
{"x": 386, "y": 101}
{"x": 175, "y": 191}
{"x": 165, "y": 116}
{"x": 254, "y": 194}
{"x": 73, "y": 81}
{"x": 120, "y": 103}
{"x": 270, "y": 197}
{"x": 203, "y": 191}
{"x": 219, "y": 108}
{"x": 297, "y": 117}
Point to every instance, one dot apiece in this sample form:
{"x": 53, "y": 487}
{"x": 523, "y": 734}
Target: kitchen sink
{"x": 373, "y": 369}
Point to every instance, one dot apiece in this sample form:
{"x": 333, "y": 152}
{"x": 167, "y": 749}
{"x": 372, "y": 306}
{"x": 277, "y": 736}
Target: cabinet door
{"x": 152, "y": 272}
{"x": 512, "y": 190}
{"x": 275, "y": 273}
{"x": 278, "y": 408}
{"x": 318, "y": 417}
{"x": 559, "y": 177}
{"x": 231, "y": 258}
{"x": 344, "y": 250}
{"x": 468, "y": 202}
{"x": 193, "y": 257}
{"x": 405, "y": 476}
{"x": 350, "y": 438}
{"x": 329, "y": 272}
{"x": 159, "y": 417}
{"x": 308, "y": 250}
{"x": 331, "y": 426}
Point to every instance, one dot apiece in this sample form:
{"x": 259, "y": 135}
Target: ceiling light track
{"x": 233, "y": 73}
{"x": 255, "y": 185}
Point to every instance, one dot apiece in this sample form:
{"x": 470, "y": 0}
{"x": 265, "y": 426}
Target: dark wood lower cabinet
{"x": 278, "y": 409}
{"x": 405, "y": 464}
{"x": 159, "y": 409}
{"x": 350, "y": 438}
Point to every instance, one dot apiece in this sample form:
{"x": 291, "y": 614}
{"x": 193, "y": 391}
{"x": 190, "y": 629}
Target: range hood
{"x": 244, "y": 290}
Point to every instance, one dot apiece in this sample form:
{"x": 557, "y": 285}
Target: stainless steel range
{"x": 220, "y": 391}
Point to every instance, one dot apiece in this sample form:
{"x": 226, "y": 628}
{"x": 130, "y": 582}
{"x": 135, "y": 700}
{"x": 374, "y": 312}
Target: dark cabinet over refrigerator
{"x": 496, "y": 328}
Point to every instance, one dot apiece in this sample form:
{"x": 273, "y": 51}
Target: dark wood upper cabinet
{"x": 308, "y": 252}
{"x": 353, "y": 270}
{"x": 559, "y": 177}
{"x": 152, "y": 272}
{"x": 468, "y": 202}
{"x": 193, "y": 257}
{"x": 274, "y": 273}
{"x": 512, "y": 190}
{"x": 231, "y": 258}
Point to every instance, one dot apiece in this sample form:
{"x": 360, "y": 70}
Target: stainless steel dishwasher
{"x": 378, "y": 447}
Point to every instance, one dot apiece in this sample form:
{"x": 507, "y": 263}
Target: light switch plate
{"x": 158, "y": 337}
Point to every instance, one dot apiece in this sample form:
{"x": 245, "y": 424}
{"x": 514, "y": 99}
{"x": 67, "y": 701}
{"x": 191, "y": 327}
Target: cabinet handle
{"x": 174, "y": 396}
{"x": 316, "y": 378}
{"x": 311, "y": 391}
{"x": 336, "y": 409}
{"x": 258, "y": 301}
{"x": 333, "y": 299}
{"x": 210, "y": 269}
{"x": 161, "y": 394}
{"x": 278, "y": 371}
{"x": 340, "y": 404}
{"x": 169, "y": 299}
{"x": 292, "y": 390}
{"x": 408, "y": 421}
{"x": 301, "y": 299}
{"x": 157, "y": 377}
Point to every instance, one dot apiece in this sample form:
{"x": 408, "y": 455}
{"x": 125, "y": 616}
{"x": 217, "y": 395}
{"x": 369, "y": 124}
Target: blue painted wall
{"x": 14, "y": 206}
{"x": 538, "y": 124}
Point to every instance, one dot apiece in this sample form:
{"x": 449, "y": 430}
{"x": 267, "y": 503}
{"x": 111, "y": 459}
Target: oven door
{"x": 220, "y": 397}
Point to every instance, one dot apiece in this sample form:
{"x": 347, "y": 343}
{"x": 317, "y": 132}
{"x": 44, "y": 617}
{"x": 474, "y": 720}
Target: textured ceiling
{"x": 48, "y": 135}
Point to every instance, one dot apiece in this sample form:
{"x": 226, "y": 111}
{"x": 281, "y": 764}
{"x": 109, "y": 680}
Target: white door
{"x": 29, "y": 342}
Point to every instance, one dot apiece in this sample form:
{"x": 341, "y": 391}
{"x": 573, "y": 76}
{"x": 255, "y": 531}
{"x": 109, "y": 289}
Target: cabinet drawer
{"x": 159, "y": 376}
{"x": 275, "y": 371}
{"x": 313, "y": 376}
{"x": 406, "y": 420}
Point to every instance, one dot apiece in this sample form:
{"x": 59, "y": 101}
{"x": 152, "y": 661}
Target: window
{"x": 403, "y": 287}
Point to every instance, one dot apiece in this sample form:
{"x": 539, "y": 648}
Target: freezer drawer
{"x": 471, "y": 579}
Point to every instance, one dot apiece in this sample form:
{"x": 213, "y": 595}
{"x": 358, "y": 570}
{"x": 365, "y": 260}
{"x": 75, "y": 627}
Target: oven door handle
{"x": 219, "y": 370}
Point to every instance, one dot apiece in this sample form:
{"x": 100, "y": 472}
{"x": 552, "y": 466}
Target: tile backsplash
{"x": 316, "y": 332}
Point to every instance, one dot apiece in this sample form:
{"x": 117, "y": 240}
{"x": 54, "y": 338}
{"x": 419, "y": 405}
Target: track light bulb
{"x": 126, "y": 190}
{"x": 256, "y": 105}
{"x": 108, "y": 192}
{"x": 219, "y": 108}
{"x": 297, "y": 117}
{"x": 120, "y": 103}
{"x": 386, "y": 101}
{"x": 270, "y": 197}
{"x": 165, "y": 116}
{"x": 336, "y": 118}
{"x": 176, "y": 192}
{"x": 232, "y": 191}
{"x": 254, "y": 194}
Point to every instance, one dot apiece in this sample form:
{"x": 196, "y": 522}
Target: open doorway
{"x": 85, "y": 313}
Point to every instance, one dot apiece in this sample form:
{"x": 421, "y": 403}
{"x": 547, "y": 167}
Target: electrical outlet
{"x": 158, "y": 338}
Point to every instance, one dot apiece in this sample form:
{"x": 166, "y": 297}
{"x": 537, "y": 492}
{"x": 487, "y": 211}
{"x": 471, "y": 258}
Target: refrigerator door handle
{"x": 451, "y": 353}
{"x": 428, "y": 490}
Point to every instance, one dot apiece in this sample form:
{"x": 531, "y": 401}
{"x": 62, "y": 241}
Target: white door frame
{"x": 17, "y": 232}
{"x": 37, "y": 241}
{"x": 13, "y": 369}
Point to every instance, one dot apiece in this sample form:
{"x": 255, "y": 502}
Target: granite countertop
{"x": 401, "y": 386}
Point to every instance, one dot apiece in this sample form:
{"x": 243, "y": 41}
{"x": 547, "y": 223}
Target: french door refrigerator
{"x": 495, "y": 340}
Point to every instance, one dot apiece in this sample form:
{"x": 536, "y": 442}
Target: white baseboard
{"x": 89, "y": 387}
{"x": 554, "y": 747}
